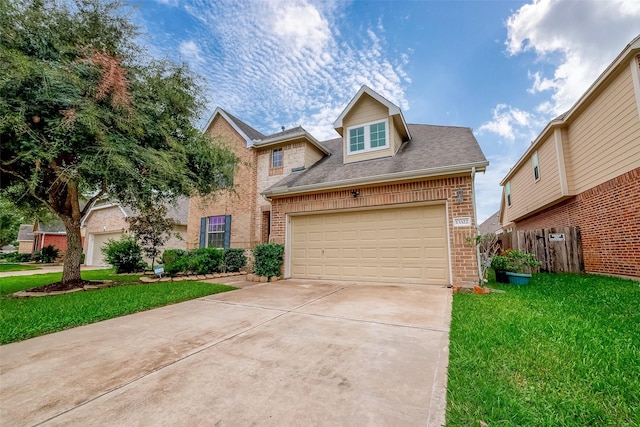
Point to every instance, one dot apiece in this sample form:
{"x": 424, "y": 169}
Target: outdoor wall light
{"x": 459, "y": 194}
{"x": 355, "y": 193}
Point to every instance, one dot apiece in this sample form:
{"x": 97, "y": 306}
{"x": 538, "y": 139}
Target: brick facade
{"x": 293, "y": 155}
{"x": 464, "y": 267}
{"x": 609, "y": 219}
{"x": 240, "y": 203}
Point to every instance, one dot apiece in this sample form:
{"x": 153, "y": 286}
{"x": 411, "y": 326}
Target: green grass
{"x": 16, "y": 267}
{"x": 561, "y": 351}
{"x": 30, "y": 317}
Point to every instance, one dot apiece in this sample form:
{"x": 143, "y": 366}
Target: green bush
{"x": 17, "y": 257}
{"x": 521, "y": 262}
{"x": 49, "y": 254}
{"x": 125, "y": 255}
{"x": 234, "y": 260}
{"x": 172, "y": 255}
{"x": 175, "y": 261}
{"x": 205, "y": 260}
{"x": 499, "y": 263}
{"x": 268, "y": 259}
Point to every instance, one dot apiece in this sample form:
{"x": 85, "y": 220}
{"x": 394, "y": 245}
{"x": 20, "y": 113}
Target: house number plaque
{"x": 464, "y": 221}
{"x": 556, "y": 237}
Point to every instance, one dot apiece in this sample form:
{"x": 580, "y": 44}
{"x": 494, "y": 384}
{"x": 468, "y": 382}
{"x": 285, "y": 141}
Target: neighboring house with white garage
{"x": 107, "y": 221}
{"x": 386, "y": 201}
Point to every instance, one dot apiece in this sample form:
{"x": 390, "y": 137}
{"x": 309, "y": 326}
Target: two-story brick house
{"x": 386, "y": 201}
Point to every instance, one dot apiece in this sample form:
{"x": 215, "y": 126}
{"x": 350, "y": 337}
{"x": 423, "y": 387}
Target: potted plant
{"x": 519, "y": 266}
{"x": 500, "y": 264}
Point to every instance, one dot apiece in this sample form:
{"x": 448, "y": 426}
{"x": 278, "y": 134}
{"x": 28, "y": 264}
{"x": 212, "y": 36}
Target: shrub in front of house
{"x": 49, "y": 254}
{"x": 17, "y": 257}
{"x": 205, "y": 260}
{"x": 174, "y": 261}
{"x": 268, "y": 259}
{"x": 234, "y": 260}
{"x": 125, "y": 255}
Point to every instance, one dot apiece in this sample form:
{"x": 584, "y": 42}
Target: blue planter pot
{"x": 518, "y": 278}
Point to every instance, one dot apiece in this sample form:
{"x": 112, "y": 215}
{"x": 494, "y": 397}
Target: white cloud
{"x": 280, "y": 62}
{"x": 508, "y": 122}
{"x": 190, "y": 50}
{"x": 579, "y": 39}
{"x": 302, "y": 26}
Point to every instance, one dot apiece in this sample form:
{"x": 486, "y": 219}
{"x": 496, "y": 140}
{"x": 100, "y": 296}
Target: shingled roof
{"x": 248, "y": 130}
{"x": 432, "y": 150}
{"x": 25, "y": 233}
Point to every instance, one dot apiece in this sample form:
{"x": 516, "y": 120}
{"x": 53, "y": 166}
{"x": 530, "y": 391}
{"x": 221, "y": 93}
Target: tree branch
{"x": 93, "y": 199}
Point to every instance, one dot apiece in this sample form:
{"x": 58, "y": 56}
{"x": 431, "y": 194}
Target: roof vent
{"x": 282, "y": 128}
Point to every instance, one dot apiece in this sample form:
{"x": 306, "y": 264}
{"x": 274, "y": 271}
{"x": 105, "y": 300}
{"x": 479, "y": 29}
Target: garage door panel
{"x": 407, "y": 244}
{"x": 98, "y": 241}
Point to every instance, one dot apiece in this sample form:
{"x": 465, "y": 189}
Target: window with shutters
{"x": 215, "y": 231}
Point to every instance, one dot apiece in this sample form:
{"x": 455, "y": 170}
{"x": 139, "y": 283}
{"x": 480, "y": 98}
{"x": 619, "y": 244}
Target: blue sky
{"x": 502, "y": 68}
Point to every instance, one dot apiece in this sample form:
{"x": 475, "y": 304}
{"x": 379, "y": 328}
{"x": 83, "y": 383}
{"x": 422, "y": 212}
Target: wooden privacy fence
{"x": 559, "y": 249}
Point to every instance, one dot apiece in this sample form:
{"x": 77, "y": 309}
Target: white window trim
{"x": 507, "y": 192}
{"x": 367, "y": 137}
{"x": 281, "y": 158}
{"x": 535, "y": 163}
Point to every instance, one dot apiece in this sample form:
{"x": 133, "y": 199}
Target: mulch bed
{"x": 61, "y": 287}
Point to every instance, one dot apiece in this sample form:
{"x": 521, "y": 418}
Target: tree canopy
{"x": 85, "y": 113}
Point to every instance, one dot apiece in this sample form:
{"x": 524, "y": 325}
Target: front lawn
{"x": 561, "y": 351}
{"x": 30, "y": 317}
{"x": 4, "y": 267}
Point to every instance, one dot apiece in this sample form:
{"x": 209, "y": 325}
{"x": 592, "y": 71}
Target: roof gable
{"x": 393, "y": 111}
{"x": 248, "y": 133}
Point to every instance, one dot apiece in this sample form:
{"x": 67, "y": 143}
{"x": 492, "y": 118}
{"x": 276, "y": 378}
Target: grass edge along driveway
{"x": 561, "y": 351}
{"x": 25, "y": 318}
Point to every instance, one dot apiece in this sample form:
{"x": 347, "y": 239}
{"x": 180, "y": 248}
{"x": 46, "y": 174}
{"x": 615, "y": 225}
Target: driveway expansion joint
{"x": 422, "y": 328}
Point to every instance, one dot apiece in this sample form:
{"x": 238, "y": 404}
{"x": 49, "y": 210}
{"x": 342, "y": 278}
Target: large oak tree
{"x": 85, "y": 114}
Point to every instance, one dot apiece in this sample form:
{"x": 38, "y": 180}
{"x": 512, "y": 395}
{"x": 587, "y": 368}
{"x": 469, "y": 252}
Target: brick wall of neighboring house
{"x": 105, "y": 220}
{"x": 25, "y": 246}
{"x": 58, "y": 241}
{"x": 293, "y": 155}
{"x": 464, "y": 265}
{"x": 240, "y": 203}
{"x": 609, "y": 219}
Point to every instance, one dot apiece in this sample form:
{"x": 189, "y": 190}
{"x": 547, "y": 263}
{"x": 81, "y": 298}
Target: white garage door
{"x": 95, "y": 256}
{"x": 407, "y": 244}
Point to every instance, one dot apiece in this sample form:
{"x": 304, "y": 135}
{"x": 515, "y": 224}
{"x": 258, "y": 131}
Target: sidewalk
{"x": 46, "y": 269}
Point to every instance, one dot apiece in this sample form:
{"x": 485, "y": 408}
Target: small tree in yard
{"x": 152, "y": 229}
{"x": 85, "y": 114}
{"x": 487, "y": 246}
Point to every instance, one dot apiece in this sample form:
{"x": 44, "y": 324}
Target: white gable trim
{"x": 233, "y": 124}
{"x": 394, "y": 110}
{"x": 107, "y": 206}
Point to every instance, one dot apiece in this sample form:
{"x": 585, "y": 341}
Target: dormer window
{"x": 368, "y": 137}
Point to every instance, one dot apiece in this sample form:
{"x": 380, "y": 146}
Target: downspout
{"x": 475, "y": 221}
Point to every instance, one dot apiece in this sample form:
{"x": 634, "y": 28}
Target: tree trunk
{"x": 71, "y": 269}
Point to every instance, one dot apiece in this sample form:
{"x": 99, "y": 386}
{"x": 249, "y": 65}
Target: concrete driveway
{"x": 289, "y": 353}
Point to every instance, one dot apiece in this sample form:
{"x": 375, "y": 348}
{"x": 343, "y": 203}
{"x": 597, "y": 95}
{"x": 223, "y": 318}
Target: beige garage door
{"x": 98, "y": 241}
{"x": 406, "y": 244}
